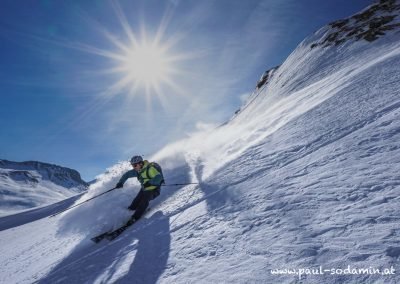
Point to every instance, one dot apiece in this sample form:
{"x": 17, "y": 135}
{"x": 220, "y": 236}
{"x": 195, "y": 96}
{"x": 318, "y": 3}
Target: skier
{"x": 150, "y": 177}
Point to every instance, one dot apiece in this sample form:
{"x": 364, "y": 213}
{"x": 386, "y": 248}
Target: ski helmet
{"x": 136, "y": 159}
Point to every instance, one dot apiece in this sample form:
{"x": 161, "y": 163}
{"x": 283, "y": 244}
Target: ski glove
{"x": 119, "y": 185}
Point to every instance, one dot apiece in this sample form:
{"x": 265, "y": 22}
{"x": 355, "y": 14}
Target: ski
{"x": 112, "y": 235}
{"x": 100, "y": 237}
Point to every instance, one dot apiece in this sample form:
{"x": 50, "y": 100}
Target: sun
{"x": 142, "y": 63}
{"x": 146, "y": 65}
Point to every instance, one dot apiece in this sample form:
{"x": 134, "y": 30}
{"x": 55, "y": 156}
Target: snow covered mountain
{"x": 24, "y": 185}
{"x": 300, "y": 186}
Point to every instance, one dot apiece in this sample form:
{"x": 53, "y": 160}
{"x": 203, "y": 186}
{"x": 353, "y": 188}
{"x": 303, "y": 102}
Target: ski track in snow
{"x": 312, "y": 180}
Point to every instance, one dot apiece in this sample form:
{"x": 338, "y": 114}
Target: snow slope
{"x": 24, "y": 185}
{"x": 305, "y": 176}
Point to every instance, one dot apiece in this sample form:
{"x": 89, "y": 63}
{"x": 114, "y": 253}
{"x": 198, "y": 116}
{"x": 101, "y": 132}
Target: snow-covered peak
{"x": 24, "y": 185}
{"x": 370, "y": 24}
{"x": 28, "y": 170}
{"x": 346, "y": 37}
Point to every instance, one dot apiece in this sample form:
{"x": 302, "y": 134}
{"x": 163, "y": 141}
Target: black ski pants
{"x": 141, "y": 201}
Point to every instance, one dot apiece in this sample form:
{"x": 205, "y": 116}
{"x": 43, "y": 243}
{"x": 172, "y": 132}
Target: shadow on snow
{"x": 139, "y": 255}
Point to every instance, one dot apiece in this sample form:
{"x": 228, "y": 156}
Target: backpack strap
{"x": 148, "y": 169}
{"x": 152, "y": 164}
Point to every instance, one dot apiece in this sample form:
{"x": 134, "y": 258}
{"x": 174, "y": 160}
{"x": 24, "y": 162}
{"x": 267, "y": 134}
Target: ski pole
{"x": 175, "y": 184}
{"x": 82, "y": 202}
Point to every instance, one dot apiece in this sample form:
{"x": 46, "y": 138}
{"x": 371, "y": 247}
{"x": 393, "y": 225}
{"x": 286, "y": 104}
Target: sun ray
{"x": 164, "y": 23}
{"x": 124, "y": 22}
{"x": 145, "y": 64}
{"x": 97, "y": 51}
{"x": 115, "y": 41}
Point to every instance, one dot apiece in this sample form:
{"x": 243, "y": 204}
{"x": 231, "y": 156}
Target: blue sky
{"x": 63, "y": 98}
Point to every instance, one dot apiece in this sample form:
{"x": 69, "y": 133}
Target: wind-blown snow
{"x": 304, "y": 176}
